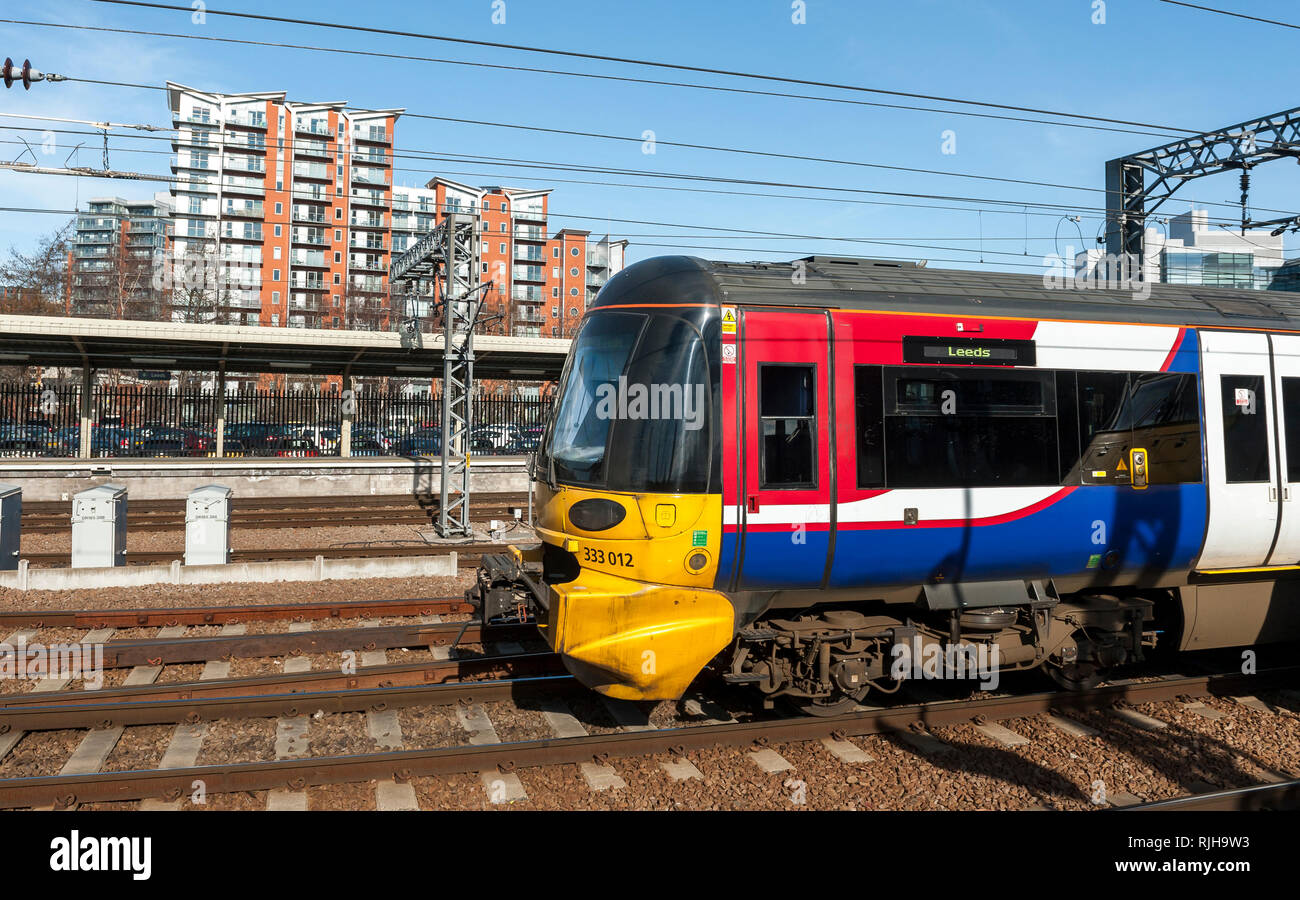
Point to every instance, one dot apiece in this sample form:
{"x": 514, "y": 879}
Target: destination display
{"x": 933, "y": 351}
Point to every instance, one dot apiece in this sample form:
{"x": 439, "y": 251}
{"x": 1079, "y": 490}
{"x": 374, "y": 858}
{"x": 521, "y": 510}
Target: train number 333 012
{"x": 600, "y": 557}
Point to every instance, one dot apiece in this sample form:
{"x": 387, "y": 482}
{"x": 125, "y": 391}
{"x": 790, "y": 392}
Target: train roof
{"x": 858, "y": 283}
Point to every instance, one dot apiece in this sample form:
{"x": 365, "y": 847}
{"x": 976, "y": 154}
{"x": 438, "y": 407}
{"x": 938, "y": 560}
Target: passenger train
{"x": 789, "y": 471}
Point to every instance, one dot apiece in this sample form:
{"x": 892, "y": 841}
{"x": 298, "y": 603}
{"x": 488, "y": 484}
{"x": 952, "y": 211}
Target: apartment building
{"x": 540, "y": 283}
{"x": 116, "y": 257}
{"x": 282, "y": 210}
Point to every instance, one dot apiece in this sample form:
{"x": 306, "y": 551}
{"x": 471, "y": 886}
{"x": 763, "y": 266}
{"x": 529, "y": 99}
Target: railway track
{"x": 1282, "y": 795}
{"x": 401, "y": 765}
{"x": 469, "y": 553}
{"x": 302, "y": 611}
{"x": 52, "y": 517}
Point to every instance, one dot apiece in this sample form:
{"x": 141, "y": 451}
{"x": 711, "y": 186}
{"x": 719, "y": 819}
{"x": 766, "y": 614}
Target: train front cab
{"x": 628, "y": 508}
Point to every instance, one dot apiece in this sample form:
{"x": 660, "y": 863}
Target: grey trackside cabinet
{"x": 207, "y": 526}
{"x": 11, "y": 525}
{"x": 99, "y": 527}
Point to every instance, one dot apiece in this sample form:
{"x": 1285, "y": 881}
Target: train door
{"x": 1241, "y": 450}
{"x": 1286, "y": 388}
{"x": 787, "y": 512}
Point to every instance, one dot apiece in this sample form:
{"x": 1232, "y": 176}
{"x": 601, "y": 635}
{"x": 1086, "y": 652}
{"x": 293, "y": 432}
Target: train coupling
{"x": 508, "y": 588}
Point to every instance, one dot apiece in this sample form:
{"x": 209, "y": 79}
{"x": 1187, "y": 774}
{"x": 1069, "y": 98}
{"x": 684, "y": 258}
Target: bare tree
{"x": 35, "y": 283}
{"x": 198, "y": 285}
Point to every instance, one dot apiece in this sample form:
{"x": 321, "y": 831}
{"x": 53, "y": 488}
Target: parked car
{"x": 173, "y": 442}
{"x": 292, "y": 446}
{"x": 367, "y": 447}
{"x": 499, "y": 436}
{"x": 426, "y": 442}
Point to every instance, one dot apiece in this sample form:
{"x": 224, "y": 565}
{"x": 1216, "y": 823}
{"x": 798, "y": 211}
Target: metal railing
{"x": 141, "y": 420}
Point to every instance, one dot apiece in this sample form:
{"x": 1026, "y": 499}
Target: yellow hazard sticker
{"x": 1099, "y": 473}
{"x": 728, "y": 320}
{"x": 1121, "y": 467}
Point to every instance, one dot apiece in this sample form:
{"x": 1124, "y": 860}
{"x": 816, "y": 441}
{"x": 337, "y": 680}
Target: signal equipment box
{"x": 207, "y": 526}
{"x": 99, "y": 527}
{"x": 11, "y": 526}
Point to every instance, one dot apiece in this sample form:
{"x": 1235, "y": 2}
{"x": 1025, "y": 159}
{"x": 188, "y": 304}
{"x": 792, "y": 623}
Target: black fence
{"x": 141, "y": 421}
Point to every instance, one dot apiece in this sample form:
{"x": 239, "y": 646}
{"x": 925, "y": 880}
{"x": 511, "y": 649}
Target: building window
{"x": 275, "y": 318}
{"x": 336, "y": 300}
{"x": 279, "y": 209}
{"x": 279, "y": 230}
{"x": 336, "y": 278}
{"x": 486, "y": 247}
{"x": 275, "y": 274}
{"x": 275, "y": 252}
{"x": 338, "y": 234}
{"x": 484, "y": 268}
{"x": 573, "y": 292}
{"x": 555, "y": 312}
{"x": 275, "y": 296}
{"x": 573, "y": 310}
{"x": 503, "y": 206}
{"x": 574, "y": 251}
{"x": 555, "y": 252}
{"x": 336, "y": 321}
{"x": 555, "y": 272}
{"x": 574, "y": 271}
{"x": 338, "y": 212}
{"x": 555, "y": 292}
{"x": 338, "y": 257}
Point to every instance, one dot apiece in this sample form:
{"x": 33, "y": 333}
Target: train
{"x": 795, "y": 474}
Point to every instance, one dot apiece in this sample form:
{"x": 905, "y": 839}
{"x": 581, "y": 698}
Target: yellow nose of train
{"x": 630, "y": 602}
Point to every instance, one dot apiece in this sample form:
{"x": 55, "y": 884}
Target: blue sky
{"x": 1149, "y": 62}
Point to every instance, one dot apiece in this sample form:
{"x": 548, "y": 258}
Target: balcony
{"x": 530, "y": 215}
{"x": 596, "y": 280}
{"x": 526, "y": 294}
{"x": 312, "y": 126}
{"x": 249, "y": 209}
{"x": 188, "y": 161}
{"x": 313, "y": 258}
{"x": 235, "y": 185}
{"x": 597, "y": 259}
{"x": 368, "y": 285}
{"x": 529, "y": 233}
{"x": 371, "y": 159}
{"x": 313, "y": 171}
{"x": 246, "y": 120}
{"x": 302, "y": 281}
{"x": 368, "y": 176}
{"x": 372, "y": 198}
{"x": 372, "y": 135}
{"x": 527, "y": 316}
{"x": 253, "y": 143}
{"x": 528, "y": 273}
{"x": 312, "y": 214}
{"x": 244, "y": 164}
{"x": 305, "y": 147}
{"x": 529, "y": 252}
{"x": 248, "y": 232}
{"x": 309, "y": 236}
{"x": 196, "y": 185}
{"x": 367, "y": 263}
{"x": 371, "y": 221}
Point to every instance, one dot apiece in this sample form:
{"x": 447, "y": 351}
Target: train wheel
{"x": 835, "y": 705}
{"x": 1077, "y": 676}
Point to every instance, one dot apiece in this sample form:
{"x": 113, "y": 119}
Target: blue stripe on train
{"x": 1151, "y": 532}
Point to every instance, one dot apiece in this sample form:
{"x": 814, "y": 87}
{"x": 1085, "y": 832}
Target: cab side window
{"x": 787, "y": 421}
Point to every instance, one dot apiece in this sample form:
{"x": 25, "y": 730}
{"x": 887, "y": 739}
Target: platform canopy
{"x": 118, "y": 344}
